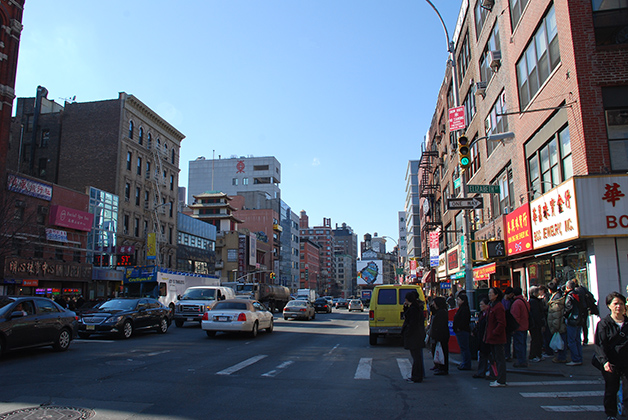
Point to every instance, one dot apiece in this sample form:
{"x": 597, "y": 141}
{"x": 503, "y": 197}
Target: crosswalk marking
{"x": 572, "y": 408}
{"x": 278, "y": 369}
{"x": 552, "y": 383}
{"x": 241, "y": 365}
{"x": 405, "y": 367}
{"x": 364, "y": 369}
{"x": 573, "y": 394}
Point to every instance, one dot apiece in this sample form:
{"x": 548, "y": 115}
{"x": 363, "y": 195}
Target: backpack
{"x": 590, "y": 303}
{"x": 574, "y": 317}
{"x": 511, "y": 323}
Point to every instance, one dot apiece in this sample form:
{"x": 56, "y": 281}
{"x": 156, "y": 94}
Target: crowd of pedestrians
{"x": 554, "y": 316}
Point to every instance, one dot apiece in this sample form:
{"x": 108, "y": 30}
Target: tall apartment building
{"x": 120, "y": 146}
{"x": 412, "y": 211}
{"x": 555, "y": 73}
{"x": 235, "y": 175}
{"x": 322, "y": 236}
{"x": 345, "y": 252}
{"x": 289, "y": 253}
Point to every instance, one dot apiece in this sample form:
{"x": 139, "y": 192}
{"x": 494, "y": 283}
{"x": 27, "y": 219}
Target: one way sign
{"x": 465, "y": 203}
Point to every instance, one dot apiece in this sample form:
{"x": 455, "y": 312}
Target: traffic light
{"x": 272, "y": 276}
{"x": 464, "y": 152}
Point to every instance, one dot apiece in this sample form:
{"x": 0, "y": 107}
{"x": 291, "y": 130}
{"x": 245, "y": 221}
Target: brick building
{"x": 555, "y": 73}
{"x": 322, "y": 236}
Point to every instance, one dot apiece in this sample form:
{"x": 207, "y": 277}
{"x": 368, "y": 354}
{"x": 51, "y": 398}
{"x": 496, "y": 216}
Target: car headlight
{"x": 114, "y": 319}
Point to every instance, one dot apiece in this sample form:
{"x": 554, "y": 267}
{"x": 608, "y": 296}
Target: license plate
{"x": 223, "y": 318}
{"x": 190, "y": 319}
{"x": 90, "y": 327}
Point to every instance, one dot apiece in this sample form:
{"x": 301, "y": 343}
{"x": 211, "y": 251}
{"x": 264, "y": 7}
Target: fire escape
{"x": 428, "y": 188}
{"x": 157, "y": 208}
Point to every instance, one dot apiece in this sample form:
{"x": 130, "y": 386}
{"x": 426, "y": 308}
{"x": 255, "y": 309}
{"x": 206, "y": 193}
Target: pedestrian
{"x": 556, "y": 320}
{"x": 462, "y": 329}
{"x": 509, "y": 295}
{"x": 611, "y": 353}
{"x": 574, "y": 317}
{"x": 537, "y": 323}
{"x": 479, "y": 332}
{"x": 413, "y": 333}
{"x": 451, "y": 302}
{"x": 547, "y": 336}
{"x": 439, "y": 333}
{"x": 520, "y": 310}
{"x": 496, "y": 334}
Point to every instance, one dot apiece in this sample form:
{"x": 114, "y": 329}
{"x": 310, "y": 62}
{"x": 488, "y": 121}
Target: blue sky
{"x": 341, "y": 92}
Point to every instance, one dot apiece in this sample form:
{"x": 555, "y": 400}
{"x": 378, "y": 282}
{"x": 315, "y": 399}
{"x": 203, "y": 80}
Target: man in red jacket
{"x": 520, "y": 310}
{"x": 496, "y": 334}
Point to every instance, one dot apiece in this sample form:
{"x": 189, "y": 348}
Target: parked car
{"x": 124, "y": 316}
{"x": 355, "y": 305}
{"x": 237, "y": 315}
{"x": 29, "y": 321}
{"x": 299, "y": 309}
{"x": 342, "y": 303}
{"x": 321, "y": 305}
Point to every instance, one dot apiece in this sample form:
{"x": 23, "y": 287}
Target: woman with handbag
{"x": 496, "y": 334}
{"x": 611, "y": 352}
{"x": 439, "y": 334}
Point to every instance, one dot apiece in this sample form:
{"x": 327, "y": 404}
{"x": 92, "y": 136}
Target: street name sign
{"x": 465, "y": 203}
{"x": 482, "y": 189}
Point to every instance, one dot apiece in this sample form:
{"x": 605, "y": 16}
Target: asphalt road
{"x": 321, "y": 369}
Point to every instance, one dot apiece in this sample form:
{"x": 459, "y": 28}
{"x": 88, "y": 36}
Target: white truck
{"x": 307, "y": 294}
{"x": 197, "y": 300}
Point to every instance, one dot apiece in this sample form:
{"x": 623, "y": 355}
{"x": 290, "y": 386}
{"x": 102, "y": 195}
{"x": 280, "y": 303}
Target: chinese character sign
{"x": 603, "y": 205}
{"x": 554, "y": 216}
{"x": 518, "y": 232}
{"x": 434, "y": 236}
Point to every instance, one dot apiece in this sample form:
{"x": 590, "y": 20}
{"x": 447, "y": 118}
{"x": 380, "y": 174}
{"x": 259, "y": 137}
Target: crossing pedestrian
{"x": 462, "y": 329}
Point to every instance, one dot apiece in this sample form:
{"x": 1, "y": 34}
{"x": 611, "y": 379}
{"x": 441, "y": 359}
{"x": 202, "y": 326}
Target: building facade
{"x": 554, "y": 73}
{"x": 323, "y": 236}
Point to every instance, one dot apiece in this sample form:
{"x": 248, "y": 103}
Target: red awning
{"x": 428, "y": 277}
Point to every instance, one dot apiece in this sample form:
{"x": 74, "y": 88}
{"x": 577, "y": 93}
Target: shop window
{"x": 539, "y": 59}
{"x": 609, "y": 21}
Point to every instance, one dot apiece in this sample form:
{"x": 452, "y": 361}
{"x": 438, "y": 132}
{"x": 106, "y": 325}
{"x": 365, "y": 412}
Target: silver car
{"x": 299, "y": 309}
{"x": 355, "y": 305}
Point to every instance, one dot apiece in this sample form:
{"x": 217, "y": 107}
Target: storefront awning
{"x": 428, "y": 277}
{"x": 484, "y": 272}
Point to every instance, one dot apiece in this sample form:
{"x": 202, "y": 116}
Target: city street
{"x": 303, "y": 370}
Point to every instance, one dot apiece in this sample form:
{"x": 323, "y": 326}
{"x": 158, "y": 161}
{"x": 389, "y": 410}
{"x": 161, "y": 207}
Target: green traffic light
{"x": 464, "y": 161}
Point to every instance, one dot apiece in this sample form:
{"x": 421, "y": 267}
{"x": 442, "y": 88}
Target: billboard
{"x": 370, "y": 272}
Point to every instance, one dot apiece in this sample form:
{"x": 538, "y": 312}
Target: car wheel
{"x": 285, "y": 318}
{"x": 271, "y": 326}
{"x": 163, "y": 326}
{"x": 255, "y": 329}
{"x": 314, "y": 315}
{"x": 178, "y": 323}
{"x": 127, "y": 330}
{"x": 210, "y": 333}
{"x": 372, "y": 339}
{"x": 63, "y": 340}
{"x": 83, "y": 335}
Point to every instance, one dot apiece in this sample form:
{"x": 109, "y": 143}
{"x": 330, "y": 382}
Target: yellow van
{"x": 386, "y": 309}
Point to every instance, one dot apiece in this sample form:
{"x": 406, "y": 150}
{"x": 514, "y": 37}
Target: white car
{"x": 237, "y": 315}
{"x": 355, "y": 304}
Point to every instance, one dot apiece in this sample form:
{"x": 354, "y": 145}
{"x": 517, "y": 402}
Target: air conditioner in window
{"x": 488, "y": 4}
{"x": 494, "y": 59}
{"x": 480, "y": 88}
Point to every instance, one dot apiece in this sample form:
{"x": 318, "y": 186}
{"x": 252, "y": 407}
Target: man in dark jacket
{"x": 439, "y": 332}
{"x": 413, "y": 333}
{"x": 520, "y": 310}
{"x": 462, "y": 328}
{"x": 574, "y": 317}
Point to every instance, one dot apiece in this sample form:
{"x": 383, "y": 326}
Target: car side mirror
{"x": 17, "y": 314}
{"x": 178, "y": 297}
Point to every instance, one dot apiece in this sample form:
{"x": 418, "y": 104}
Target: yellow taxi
{"x": 386, "y": 309}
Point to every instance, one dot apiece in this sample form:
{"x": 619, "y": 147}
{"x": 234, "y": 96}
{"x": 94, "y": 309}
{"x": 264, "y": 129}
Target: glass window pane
{"x": 617, "y": 123}
{"x": 619, "y": 155}
{"x": 545, "y": 159}
{"x": 553, "y": 152}
{"x": 565, "y": 142}
{"x": 567, "y": 168}
{"x": 533, "y": 165}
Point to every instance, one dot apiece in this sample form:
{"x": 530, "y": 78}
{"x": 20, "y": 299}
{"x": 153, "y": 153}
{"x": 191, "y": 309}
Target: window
{"x": 171, "y": 208}
{"x": 127, "y": 191}
{"x": 495, "y": 122}
{"x": 150, "y": 141}
{"x": 131, "y": 130}
{"x": 493, "y": 44}
{"x": 39, "y": 251}
{"x": 172, "y": 156}
{"x": 609, "y": 20}
{"x": 234, "y": 181}
{"x": 503, "y": 202}
{"x": 245, "y": 181}
{"x": 464, "y": 58}
{"x": 43, "y": 163}
{"x": 129, "y": 158}
{"x": 137, "y": 195}
{"x": 141, "y": 138}
{"x": 171, "y": 182}
{"x": 539, "y": 59}
{"x": 469, "y": 107}
{"x": 615, "y": 100}
{"x": 475, "y": 159}
{"x": 260, "y": 167}
{"x": 136, "y": 227}
{"x": 445, "y": 197}
{"x": 450, "y": 235}
{"x": 147, "y": 169}
{"x": 480, "y": 17}
{"x": 139, "y": 165}
{"x": 459, "y": 222}
{"x": 551, "y": 164}
{"x": 45, "y": 139}
{"x": 516, "y": 10}
{"x": 59, "y": 254}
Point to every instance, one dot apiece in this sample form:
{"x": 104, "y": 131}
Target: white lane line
{"x": 158, "y": 352}
{"x": 572, "y": 408}
{"x": 552, "y": 383}
{"x": 279, "y": 368}
{"x": 574, "y": 394}
{"x": 364, "y": 369}
{"x": 330, "y": 351}
{"x": 241, "y": 365}
{"x": 405, "y": 367}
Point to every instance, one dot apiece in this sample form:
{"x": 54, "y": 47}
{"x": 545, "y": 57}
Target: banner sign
{"x": 434, "y": 239}
{"x": 555, "y": 216}
{"x": 518, "y": 230}
{"x": 71, "y": 218}
{"x": 29, "y": 187}
{"x": 603, "y": 205}
{"x": 56, "y": 235}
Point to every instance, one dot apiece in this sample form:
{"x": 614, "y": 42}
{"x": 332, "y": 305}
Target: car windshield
{"x": 118, "y": 305}
{"x": 4, "y": 303}
{"x": 240, "y": 306}
{"x": 199, "y": 294}
{"x": 297, "y": 303}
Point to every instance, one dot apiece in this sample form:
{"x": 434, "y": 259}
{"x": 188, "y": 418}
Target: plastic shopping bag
{"x": 557, "y": 342}
{"x": 439, "y": 356}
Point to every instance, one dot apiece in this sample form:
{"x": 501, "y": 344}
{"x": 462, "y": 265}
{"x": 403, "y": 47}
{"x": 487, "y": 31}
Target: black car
{"x": 30, "y": 321}
{"x": 322, "y": 305}
{"x": 123, "y": 316}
